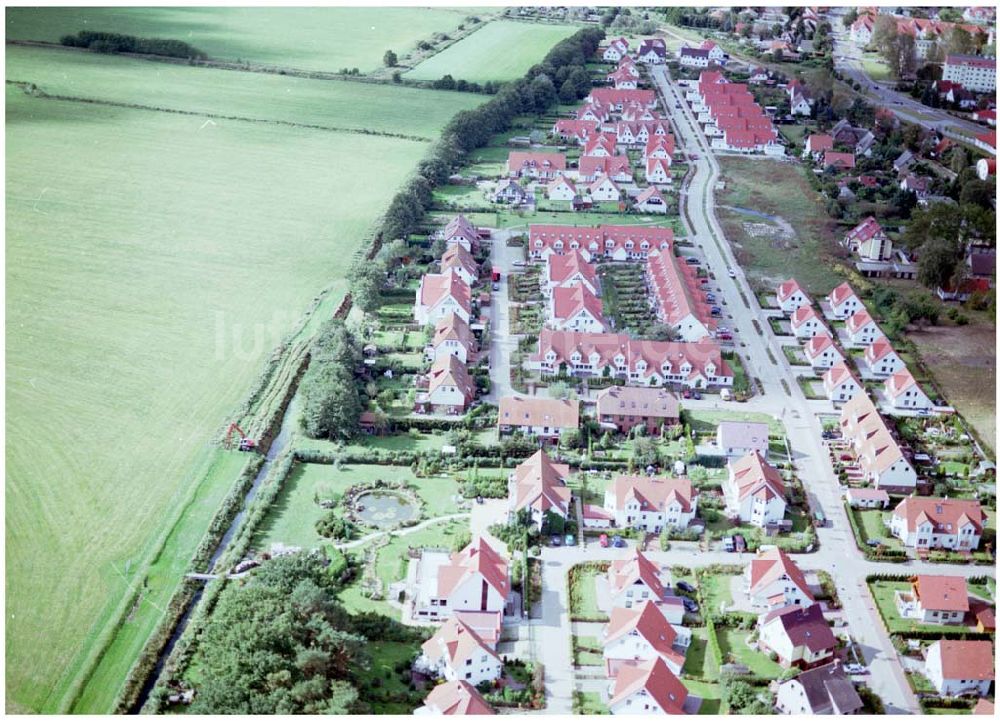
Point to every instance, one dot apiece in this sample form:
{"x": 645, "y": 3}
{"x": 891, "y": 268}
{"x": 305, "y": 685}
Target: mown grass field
{"x": 317, "y": 38}
{"x": 154, "y": 261}
{"x": 501, "y": 50}
{"x": 257, "y": 96}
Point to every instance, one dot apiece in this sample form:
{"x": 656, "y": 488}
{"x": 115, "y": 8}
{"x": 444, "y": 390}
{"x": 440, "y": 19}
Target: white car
{"x": 732, "y": 273}
{"x": 518, "y": 263}
{"x": 855, "y": 669}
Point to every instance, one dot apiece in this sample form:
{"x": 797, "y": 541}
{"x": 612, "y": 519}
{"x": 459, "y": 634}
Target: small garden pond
{"x": 384, "y": 509}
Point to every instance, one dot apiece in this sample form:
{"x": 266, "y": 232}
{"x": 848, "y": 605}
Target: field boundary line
{"x": 35, "y": 91}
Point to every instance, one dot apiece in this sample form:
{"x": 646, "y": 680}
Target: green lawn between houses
{"x": 500, "y": 50}
{"x": 583, "y": 594}
{"x": 733, "y": 642}
{"x": 121, "y": 220}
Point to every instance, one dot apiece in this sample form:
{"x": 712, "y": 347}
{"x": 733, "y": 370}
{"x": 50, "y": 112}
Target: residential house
{"x": 929, "y": 523}
{"x": 869, "y": 241}
{"x": 773, "y": 581}
{"x": 902, "y": 391}
{"x": 450, "y": 388}
{"x": 651, "y": 503}
{"x": 539, "y": 485}
{"x": 652, "y": 51}
{"x": 509, "y": 192}
{"x": 974, "y": 72}
{"x": 693, "y": 57}
{"x": 604, "y": 190}
{"x": 624, "y": 408}
{"x": 576, "y": 308}
{"x": 738, "y": 438}
{"x": 641, "y": 633}
{"x": 452, "y": 336}
{"x": 651, "y": 200}
{"x": 616, "y": 167}
{"x": 919, "y": 185}
{"x": 858, "y": 140}
{"x": 459, "y": 230}
{"x": 823, "y": 690}
{"x": 454, "y": 698}
{"x": 791, "y": 297}
{"x": 457, "y": 653}
{"x": 615, "y": 51}
{"x": 844, "y": 302}
{"x": 561, "y": 189}
{"x": 840, "y": 384}
{"x": 822, "y": 352}
{"x": 838, "y": 161}
{"x": 638, "y": 362}
{"x": 799, "y": 635}
{"x": 904, "y": 161}
{"x": 458, "y": 258}
{"x": 867, "y": 498}
{"x": 817, "y": 144}
{"x": 715, "y": 53}
{"x": 544, "y": 418}
{"x": 622, "y": 79}
{"x": 982, "y": 262}
{"x": 960, "y": 668}
{"x": 862, "y": 28}
{"x": 800, "y": 100}
{"x": 882, "y": 359}
{"x": 636, "y": 579}
{"x": 574, "y": 130}
{"x": 535, "y": 165}
{"x": 876, "y": 450}
{"x": 601, "y": 145}
{"x": 647, "y": 688}
{"x": 658, "y": 171}
{"x": 659, "y": 146}
{"x": 566, "y": 271}
{"x": 754, "y": 491}
{"x": 441, "y": 294}
{"x": 934, "y": 599}
{"x": 474, "y": 579}
{"x": 595, "y": 516}
{"x": 676, "y": 296}
{"x": 806, "y": 323}
{"x": 615, "y": 99}
{"x": 988, "y": 117}
{"x": 964, "y": 290}
{"x": 862, "y": 330}
{"x": 759, "y": 75}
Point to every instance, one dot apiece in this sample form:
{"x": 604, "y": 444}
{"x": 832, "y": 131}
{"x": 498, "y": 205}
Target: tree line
{"x": 101, "y": 42}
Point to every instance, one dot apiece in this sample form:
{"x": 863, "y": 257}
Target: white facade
{"x": 827, "y": 358}
{"x": 783, "y": 585}
{"x": 423, "y": 315}
{"x": 650, "y": 520}
{"x": 634, "y": 647}
{"x": 975, "y": 74}
{"x": 773, "y": 636}
{"x": 923, "y": 536}
{"x": 887, "y": 365}
{"x": 795, "y": 300}
{"x": 846, "y": 308}
{"x": 913, "y": 398}
{"x": 809, "y": 328}
{"x": 604, "y": 190}
{"x": 842, "y": 391}
{"x": 951, "y": 686}
{"x": 446, "y": 348}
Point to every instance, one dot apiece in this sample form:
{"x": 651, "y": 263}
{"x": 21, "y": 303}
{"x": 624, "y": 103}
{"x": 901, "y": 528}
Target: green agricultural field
{"x": 254, "y": 96}
{"x": 319, "y": 38}
{"x": 154, "y": 261}
{"x": 500, "y": 50}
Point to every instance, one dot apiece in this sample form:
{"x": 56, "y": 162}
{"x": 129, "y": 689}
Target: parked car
{"x": 703, "y": 281}
{"x": 710, "y": 297}
{"x": 873, "y": 542}
{"x": 496, "y": 286}
{"x": 729, "y": 544}
{"x": 689, "y": 605}
{"x": 855, "y": 668}
{"x": 692, "y": 261}
{"x": 617, "y": 542}
{"x": 687, "y": 393}
{"x": 555, "y": 541}
{"x": 732, "y": 273}
{"x": 518, "y": 263}
{"x": 697, "y": 395}
{"x": 725, "y": 335}
{"x": 716, "y": 310}
{"x": 603, "y": 540}
{"x": 741, "y": 543}
{"x": 725, "y": 395}
{"x": 570, "y": 539}
{"x": 685, "y": 586}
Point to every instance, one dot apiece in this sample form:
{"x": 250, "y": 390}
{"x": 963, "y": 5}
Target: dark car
{"x": 689, "y": 605}
{"x": 617, "y": 542}
{"x": 741, "y": 543}
{"x": 687, "y": 393}
{"x": 696, "y": 395}
{"x": 685, "y": 586}
{"x": 555, "y": 541}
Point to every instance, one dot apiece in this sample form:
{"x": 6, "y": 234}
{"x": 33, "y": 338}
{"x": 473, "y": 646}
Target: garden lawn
{"x": 500, "y": 50}
{"x": 583, "y": 594}
{"x": 871, "y": 526}
{"x": 225, "y": 94}
{"x": 156, "y": 262}
{"x": 709, "y": 693}
{"x": 884, "y": 593}
{"x": 589, "y": 703}
{"x": 585, "y": 657}
{"x": 703, "y": 421}
{"x": 733, "y": 641}
{"x": 382, "y": 674}
{"x": 316, "y": 38}
{"x": 716, "y": 590}
{"x": 698, "y": 662}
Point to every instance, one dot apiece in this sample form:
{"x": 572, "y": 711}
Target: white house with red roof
{"x": 754, "y": 491}
{"x": 641, "y": 633}
{"x": 596, "y": 112}
{"x": 634, "y": 111}
{"x": 450, "y": 388}
{"x": 822, "y": 352}
{"x": 539, "y": 485}
{"x": 633, "y": 133}
{"x": 456, "y": 256}
{"x": 934, "y": 599}
{"x": 616, "y": 99}
{"x": 659, "y": 146}
{"x": 441, "y": 294}
{"x": 928, "y": 523}
{"x": 651, "y": 200}
{"x": 867, "y": 498}
{"x": 601, "y": 145}
{"x": 452, "y": 336}
{"x": 876, "y": 451}
{"x": 844, "y": 302}
{"x": 881, "y": 359}
{"x": 658, "y": 171}
{"x": 647, "y": 688}
{"x": 903, "y": 392}
{"x": 566, "y": 271}
{"x": 562, "y": 188}
{"x": 772, "y": 581}
{"x": 454, "y": 698}
{"x": 604, "y": 190}
{"x": 693, "y": 57}
{"x": 651, "y": 503}
{"x": 575, "y": 130}
{"x": 614, "y": 242}
{"x": 675, "y": 294}
{"x": 535, "y": 165}
{"x": 840, "y": 384}
{"x": 806, "y": 323}
{"x": 457, "y": 653}
{"x": 862, "y": 330}
{"x": 791, "y": 297}
{"x": 615, "y": 51}
{"x": 576, "y": 308}
{"x": 817, "y": 144}
{"x": 460, "y": 231}
{"x": 617, "y": 167}
{"x": 636, "y": 579}
{"x": 799, "y": 635}
{"x": 869, "y": 241}
{"x": 652, "y": 51}
{"x": 545, "y": 418}
{"x": 595, "y": 516}
{"x": 958, "y": 668}
{"x": 474, "y": 579}
{"x": 715, "y": 53}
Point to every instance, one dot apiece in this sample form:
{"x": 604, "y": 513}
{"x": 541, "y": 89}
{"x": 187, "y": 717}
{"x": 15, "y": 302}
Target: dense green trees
{"x": 331, "y": 402}
{"x": 390, "y": 59}
{"x": 116, "y": 43}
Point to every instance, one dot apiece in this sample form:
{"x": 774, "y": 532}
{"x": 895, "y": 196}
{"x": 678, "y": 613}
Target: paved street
{"x": 502, "y": 345}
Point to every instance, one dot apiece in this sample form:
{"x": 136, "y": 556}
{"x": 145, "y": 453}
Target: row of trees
{"x": 100, "y": 42}
{"x": 331, "y": 401}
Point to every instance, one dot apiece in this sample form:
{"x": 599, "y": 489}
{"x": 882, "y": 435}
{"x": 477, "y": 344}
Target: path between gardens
{"x": 401, "y": 532}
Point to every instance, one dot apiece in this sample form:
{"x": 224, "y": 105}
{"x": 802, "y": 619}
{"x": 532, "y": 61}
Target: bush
{"x": 116, "y": 43}
{"x": 333, "y": 525}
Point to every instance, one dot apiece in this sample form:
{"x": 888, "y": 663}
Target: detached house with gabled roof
{"x": 928, "y": 523}
{"x": 474, "y": 579}
{"x": 902, "y": 392}
{"x": 561, "y": 189}
{"x": 876, "y": 450}
{"x": 457, "y": 257}
{"x": 615, "y": 51}
{"x": 862, "y": 330}
{"x": 652, "y": 51}
{"x": 651, "y": 503}
{"x": 538, "y": 166}
{"x": 958, "y": 668}
{"x": 806, "y": 323}
{"x": 441, "y": 294}
{"x": 844, "y": 302}
{"x": 791, "y": 297}
{"x": 539, "y": 485}
{"x": 822, "y": 352}
{"x": 754, "y": 491}
{"x": 641, "y": 633}
{"x": 576, "y": 308}
{"x": 840, "y": 383}
{"x": 616, "y": 167}
{"x": 636, "y": 579}
{"x": 869, "y": 241}
{"x": 647, "y": 688}
{"x": 817, "y": 144}
{"x": 934, "y": 599}
{"x": 601, "y": 145}
{"x": 651, "y": 200}
{"x": 457, "y": 653}
{"x": 799, "y": 635}
{"x": 772, "y": 580}
{"x": 452, "y": 336}
{"x": 881, "y": 359}
{"x": 823, "y": 690}
{"x": 454, "y": 698}
{"x": 604, "y": 190}
{"x": 658, "y": 171}
{"x": 450, "y": 388}
{"x": 461, "y": 232}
